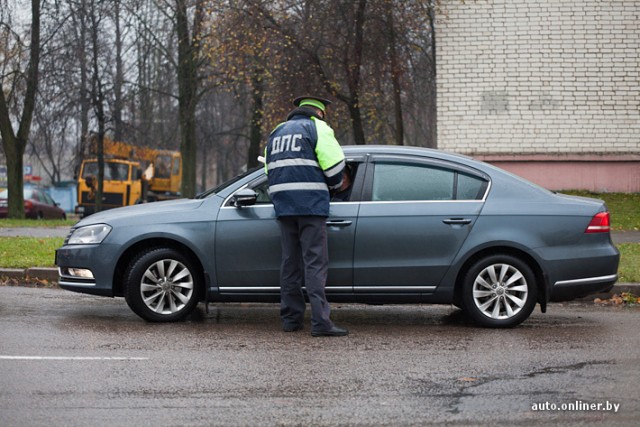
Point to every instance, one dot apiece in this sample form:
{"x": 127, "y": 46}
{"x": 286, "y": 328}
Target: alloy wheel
{"x": 166, "y": 286}
{"x": 500, "y": 291}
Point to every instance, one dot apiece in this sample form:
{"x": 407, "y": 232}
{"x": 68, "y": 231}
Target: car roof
{"x": 401, "y": 149}
{"x": 355, "y": 150}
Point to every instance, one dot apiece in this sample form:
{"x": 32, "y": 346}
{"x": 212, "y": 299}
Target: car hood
{"x": 142, "y": 212}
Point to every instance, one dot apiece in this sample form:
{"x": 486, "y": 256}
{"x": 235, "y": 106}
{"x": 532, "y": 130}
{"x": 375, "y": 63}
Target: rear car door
{"x": 415, "y": 215}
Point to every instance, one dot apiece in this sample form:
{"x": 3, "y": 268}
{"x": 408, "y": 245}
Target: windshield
{"x": 163, "y": 166}
{"x": 112, "y": 171}
{"x": 225, "y": 184}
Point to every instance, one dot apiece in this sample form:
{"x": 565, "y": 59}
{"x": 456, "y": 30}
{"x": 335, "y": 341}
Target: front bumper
{"x": 98, "y": 259}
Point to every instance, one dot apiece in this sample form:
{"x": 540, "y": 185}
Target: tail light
{"x": 600, "y": 223}
{"x": 28, "y": 204}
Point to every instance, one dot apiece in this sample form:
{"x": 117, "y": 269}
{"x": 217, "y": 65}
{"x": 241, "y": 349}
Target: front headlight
{"x": 91, "y": 234}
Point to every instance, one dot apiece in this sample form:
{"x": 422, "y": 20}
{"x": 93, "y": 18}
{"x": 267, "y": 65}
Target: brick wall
{"x": 539, "y": 77}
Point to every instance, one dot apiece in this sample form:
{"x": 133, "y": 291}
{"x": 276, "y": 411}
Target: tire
{"x": 499, "y": 291}
{"x": 162, "y": 285}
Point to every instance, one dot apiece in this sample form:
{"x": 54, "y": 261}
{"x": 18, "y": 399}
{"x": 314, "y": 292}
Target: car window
{"x": 349, "y": 174}
{"x": 261, "y": 188}
{"x": 470, "y": 187}
{"x": 395, "y": 181}
{"x": 48, "y": 199}
{"x": 400, "y": 181}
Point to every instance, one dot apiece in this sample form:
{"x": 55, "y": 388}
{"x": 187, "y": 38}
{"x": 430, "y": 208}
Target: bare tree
{"x": 14, "y": 143}
{"x": 188, "y": 63}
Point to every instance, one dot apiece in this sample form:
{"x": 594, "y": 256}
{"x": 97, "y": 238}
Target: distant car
{"x": 419, "y": 226}
{"x": 37, "y": 205}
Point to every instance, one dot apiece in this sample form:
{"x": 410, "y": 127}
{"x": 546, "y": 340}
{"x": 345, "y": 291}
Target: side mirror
{"x": 244, "y": 197}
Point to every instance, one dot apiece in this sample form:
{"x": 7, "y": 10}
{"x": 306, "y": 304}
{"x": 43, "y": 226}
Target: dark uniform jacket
{"x": 304, "y": 161}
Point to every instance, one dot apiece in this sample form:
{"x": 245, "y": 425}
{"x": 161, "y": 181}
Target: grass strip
{"x": 629, "y": 270}
{"x": 17, "y": 223}
{"x": 26, "y": 252}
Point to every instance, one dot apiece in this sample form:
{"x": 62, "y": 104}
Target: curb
{"x": 29, "y": 275}
{"x": 48, "y": 275}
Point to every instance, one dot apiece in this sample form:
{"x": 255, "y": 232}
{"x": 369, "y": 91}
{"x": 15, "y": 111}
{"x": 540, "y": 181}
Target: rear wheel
{"x": 162, "y": 285}
{"x": 499, "y": 291}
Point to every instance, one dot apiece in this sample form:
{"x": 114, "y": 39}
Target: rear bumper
{"x": 566, "y": 290}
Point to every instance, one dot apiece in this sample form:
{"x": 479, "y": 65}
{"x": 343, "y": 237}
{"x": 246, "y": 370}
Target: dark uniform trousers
{"x": 305, "y": 259}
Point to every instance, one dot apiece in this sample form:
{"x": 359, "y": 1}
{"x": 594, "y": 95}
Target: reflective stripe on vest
{"x": 334, "y": 170}
{"x": 295, "y": 186}
{"x": 291, "y": 162}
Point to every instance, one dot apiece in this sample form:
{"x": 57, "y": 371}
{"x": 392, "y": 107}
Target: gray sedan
{"x": 416, "y": 226}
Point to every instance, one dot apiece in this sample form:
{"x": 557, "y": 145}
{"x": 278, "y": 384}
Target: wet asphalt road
{"x": 77, "y": 360}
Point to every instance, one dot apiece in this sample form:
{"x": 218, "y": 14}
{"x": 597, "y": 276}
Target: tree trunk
{"x": 15, "y": 144}
{"x": 118, "y": 103}
{"x": 257, "y": 116}
{"x": 395, "y": 76}
{"x": 85, "y": 92}
{"x": 98, "y": 99}
{"x": 356, "y": 122}
{"x": 433, "y": 140}
{"x": 187, "y": 93}
{"x": 354, "y": 74}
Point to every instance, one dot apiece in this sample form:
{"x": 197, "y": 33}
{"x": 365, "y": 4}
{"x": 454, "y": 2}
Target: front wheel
{"x": 499, "y": 291}
{"x": 162, "y": 285}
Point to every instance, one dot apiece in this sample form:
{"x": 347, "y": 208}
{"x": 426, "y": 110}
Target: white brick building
{"x": 549, "y": 89}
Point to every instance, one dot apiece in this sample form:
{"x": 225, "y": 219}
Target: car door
{"x": 248, "y": 247}
{"x": 51, "y": 207}
{"x": 40, "y": 204}
{"x": 415, "y": 216}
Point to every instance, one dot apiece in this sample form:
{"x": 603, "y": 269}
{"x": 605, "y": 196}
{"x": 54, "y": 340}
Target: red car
{"x": 37, "y": 205}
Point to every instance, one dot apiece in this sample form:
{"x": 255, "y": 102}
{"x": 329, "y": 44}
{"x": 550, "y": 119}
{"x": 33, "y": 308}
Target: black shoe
{"x": 292, "y": 328}
{"x": 333, "y": 332}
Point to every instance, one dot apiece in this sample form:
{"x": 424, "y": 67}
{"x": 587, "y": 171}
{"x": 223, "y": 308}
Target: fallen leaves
{"x": 625, "y": 298}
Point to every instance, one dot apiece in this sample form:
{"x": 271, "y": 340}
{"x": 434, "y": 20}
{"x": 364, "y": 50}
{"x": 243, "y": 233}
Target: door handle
{"x": 457, "y": 221}
{"x": 338, "y": 223}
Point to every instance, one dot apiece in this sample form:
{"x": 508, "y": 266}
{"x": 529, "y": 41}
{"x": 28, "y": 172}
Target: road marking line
{"x": 69, "y": 358}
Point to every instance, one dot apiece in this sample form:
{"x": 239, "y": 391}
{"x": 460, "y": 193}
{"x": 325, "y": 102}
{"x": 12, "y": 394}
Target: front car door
{"x": 248, "y": 247}
{"x": 415, "y": 215}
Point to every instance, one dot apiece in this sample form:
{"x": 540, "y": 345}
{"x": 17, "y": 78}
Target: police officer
{"x": 304, "y": 163}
